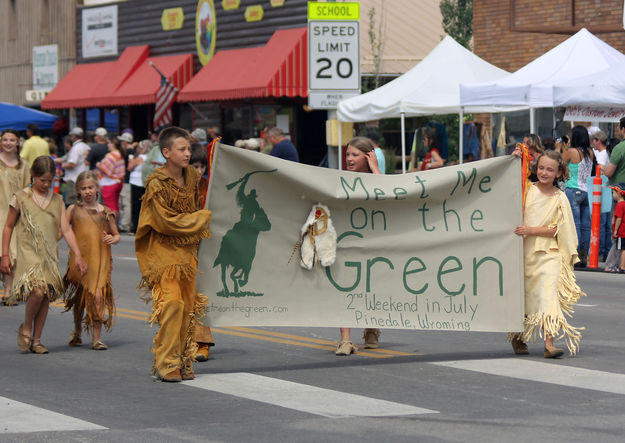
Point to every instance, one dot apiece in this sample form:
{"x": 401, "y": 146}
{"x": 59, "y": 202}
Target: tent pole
{"x": 532, "y": 121}
{"x": 403, "y": 143}
{"x": 340, "y": 148}
{"x": 461, "y": 135}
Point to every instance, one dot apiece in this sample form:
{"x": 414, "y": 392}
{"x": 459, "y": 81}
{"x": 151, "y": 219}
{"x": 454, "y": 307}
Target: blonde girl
{"x": 14, "y": 176}
{"x": 91, "y": 295}
{"x": 38, "y": 217}
{"x": 360, "y": 157}
{"x": 550, "y": 251}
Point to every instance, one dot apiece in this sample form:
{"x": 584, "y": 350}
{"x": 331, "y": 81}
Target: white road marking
{"x": 124, "y": 257}
{"x": 553, "y": 373}
{"x": 18, "y": 417}
{"x": 585, "y": 306}
{"x": 300, "y": 397}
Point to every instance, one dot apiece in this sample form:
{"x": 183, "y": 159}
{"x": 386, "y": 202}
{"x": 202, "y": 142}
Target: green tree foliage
{"x": 458, "y": 20}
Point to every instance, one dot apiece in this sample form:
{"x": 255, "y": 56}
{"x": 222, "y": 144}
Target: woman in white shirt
{"x": 137, "y": 188}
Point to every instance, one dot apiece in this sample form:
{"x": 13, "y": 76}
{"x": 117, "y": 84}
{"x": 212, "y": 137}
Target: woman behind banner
{"x": 360, "y": 157}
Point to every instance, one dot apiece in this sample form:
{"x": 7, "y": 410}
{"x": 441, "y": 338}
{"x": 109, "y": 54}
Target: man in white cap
{"x": 76, "y": 163}
{"x": 99, "y": 149}
{"x": 199, "y": 135}
{"x": 128, "y": 146}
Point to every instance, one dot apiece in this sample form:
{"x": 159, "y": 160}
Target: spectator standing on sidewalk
{"x": 128, "y": 148}
{"x": 75, "y": 164}
{"x": 35, "y": 146}
{"x": 99, "y": 149}
{"x": 282, "y": 146}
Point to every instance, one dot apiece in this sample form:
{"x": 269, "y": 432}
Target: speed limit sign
{"x": 334, "y": 55}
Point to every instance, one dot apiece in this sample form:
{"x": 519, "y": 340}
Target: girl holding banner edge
{"x": 550, "y": 251}
{"x": 360, "y": 157}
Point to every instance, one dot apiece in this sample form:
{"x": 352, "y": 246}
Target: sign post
{"x": 333, "y": 53}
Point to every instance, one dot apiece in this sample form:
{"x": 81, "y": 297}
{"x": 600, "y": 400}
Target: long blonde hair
{"x": 84, "y": 176}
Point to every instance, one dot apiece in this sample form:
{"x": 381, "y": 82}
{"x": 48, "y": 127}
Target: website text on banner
{"x": 433, "y": 250}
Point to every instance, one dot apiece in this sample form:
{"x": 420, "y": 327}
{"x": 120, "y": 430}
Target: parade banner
{"x": 299, "y": 245}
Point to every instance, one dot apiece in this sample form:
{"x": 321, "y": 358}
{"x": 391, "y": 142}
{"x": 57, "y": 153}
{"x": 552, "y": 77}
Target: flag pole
{"x": 196, "y": 110}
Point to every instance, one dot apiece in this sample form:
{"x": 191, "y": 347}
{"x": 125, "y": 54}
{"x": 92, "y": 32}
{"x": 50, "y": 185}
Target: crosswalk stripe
{"x": 300, "y": 397}
{"x": 18, "y": 417}
{"x": 553, "y": 373}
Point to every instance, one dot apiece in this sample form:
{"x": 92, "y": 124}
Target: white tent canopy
{"x": 579, "y": 56}
{"x": 605, "y": 88}
{"x": 432, "y": 87}
{"x": 429, "y": 88}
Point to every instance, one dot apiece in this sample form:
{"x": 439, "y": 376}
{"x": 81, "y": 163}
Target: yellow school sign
{"x": 333, "y": 11}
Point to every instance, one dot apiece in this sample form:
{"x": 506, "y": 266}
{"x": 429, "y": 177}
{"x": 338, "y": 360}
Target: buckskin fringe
{"x": 31, "y": 280}
{"x": 183, "y": 240}
{"x": 180, "y": 201}
{"x": 190, "y": 347}
{"x": 152, "y": 280}
{"x": 77, "y": 297}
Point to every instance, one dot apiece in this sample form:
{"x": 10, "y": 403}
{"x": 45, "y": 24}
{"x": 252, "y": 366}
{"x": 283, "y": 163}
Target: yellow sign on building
{"x": 333, "y": 11}
{"x": 172, "y": 19}
{"x": 205, "y": 30}
{"x": 254, "y": 13}
{"x": 229, "y": 5}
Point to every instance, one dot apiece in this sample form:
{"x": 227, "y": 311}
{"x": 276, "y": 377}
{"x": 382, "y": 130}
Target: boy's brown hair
{"x": 168, "y": 135}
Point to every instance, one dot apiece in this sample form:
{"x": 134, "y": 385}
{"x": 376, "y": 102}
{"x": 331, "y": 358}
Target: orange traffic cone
{"x": 57, "y": 185}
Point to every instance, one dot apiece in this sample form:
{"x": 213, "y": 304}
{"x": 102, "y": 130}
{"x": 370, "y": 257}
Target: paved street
{"x": 286, "y": 384}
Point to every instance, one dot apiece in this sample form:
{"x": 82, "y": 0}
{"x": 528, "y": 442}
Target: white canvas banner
{"x": 432, "y": 250}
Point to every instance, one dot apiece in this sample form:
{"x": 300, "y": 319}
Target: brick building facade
{"x": 512, "y": 33}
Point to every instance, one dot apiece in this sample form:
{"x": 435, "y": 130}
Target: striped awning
{"x": 94, "y": 84}
{"x": 129, "y": 80}
{"x": 278, "y": 69}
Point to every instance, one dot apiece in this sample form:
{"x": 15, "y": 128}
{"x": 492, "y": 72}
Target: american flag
{"x": 164, "y": 99}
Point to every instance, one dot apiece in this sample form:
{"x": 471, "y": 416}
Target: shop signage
{"x": 172, "y": 19}
{"x": 327, "y": 100}
{"x": 333, "y": 53}
{"x": 229, "y": 5}
{"x": 36, "y": 95}
{"x": 333, "y": 11}
{"x": 45, "y": 67}
{"x": 99, "y": 31}
{"x": 593, "y": 114}
{"x": 205, "y": 30}
{"x": 254, "y": 13}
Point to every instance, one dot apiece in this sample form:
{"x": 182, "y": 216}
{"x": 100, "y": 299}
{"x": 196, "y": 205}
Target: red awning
{"x": 141, "y": 86}
{"x": 278, "y": 69}
{"x": 78, "y": 87}
{"x": 129, "y": 80}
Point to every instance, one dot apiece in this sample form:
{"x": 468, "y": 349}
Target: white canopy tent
{"x": 431, "y": 87}
{"x": 605, "y": 88}
{"x": 579, "y": 56}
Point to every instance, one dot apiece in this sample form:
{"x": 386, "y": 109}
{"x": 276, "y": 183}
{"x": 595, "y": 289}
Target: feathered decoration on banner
{"x": 318, "y": 239}
{"x": 210, "y": 153}
{"x": 526, "y": 160}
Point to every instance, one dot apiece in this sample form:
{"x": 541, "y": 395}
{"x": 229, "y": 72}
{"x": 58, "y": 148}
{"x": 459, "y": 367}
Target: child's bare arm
{"x": 617, "y": 224}
{"x": 5, "y": 263}
{"x": 538, "y": 231}
{"x": 113, "y": 237}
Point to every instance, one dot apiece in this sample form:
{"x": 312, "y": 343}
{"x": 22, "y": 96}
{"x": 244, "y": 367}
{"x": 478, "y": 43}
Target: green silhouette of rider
{"x": 238, "y": 247}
